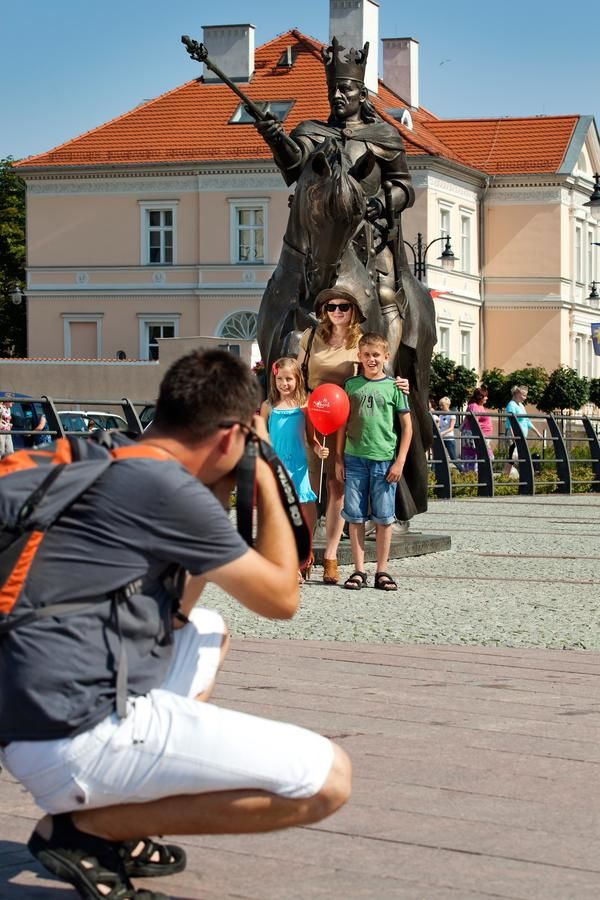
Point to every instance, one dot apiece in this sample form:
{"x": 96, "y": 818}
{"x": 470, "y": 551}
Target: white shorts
{"x": 172, "y": 744}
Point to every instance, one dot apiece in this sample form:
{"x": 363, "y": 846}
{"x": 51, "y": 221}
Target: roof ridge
{"x": 458, "y": 119}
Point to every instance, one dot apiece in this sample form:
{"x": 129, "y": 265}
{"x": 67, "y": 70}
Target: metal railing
{"x": 552, "y": 469}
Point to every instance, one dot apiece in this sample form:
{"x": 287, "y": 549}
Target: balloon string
{"x": 323, "y": 445}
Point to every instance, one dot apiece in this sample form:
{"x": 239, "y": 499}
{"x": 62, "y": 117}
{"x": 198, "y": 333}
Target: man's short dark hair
{"x": 203, "y": 388}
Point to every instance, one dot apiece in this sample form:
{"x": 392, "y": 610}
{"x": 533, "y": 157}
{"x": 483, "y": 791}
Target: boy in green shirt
{"x": 366, "y": 457}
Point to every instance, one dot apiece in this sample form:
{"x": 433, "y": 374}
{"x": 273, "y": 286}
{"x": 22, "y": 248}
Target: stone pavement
{"x": 476, "y": 768}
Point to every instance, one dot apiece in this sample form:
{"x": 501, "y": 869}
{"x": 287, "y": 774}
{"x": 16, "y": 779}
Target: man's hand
{"x": 271, "y": 130}
{"x": 395, "y": 472}
{"x": 375, "y": 209}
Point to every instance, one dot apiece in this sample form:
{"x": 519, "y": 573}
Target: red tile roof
{"x": 508, "y": 146}
{"x": 191, "y": 124}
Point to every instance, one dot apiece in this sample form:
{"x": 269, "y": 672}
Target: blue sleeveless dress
{"x": 287, "y": 429}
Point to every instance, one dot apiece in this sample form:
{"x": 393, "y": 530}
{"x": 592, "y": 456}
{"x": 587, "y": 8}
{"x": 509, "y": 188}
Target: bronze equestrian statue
{"x": 352, "y": 184}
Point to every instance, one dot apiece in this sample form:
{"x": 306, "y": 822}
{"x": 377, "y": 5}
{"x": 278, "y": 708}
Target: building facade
{"x": 168, "y": 221}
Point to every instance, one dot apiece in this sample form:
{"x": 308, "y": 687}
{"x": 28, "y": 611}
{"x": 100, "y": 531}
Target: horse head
{"x": 331, "y": 209}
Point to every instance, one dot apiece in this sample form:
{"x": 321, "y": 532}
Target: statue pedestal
{"x": 413, "y": 543}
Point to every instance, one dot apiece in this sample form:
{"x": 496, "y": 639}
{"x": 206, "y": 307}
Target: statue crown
{"x": 351, "y": 66}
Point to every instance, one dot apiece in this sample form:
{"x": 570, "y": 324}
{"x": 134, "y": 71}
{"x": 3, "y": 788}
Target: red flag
{"x": 435, "y": 294}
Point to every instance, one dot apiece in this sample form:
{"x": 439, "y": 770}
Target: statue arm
{"x": 288, "y": 152}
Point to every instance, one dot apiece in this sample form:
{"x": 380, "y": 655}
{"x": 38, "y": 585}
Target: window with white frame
{"x": 578, "y": 253}
{"x": 589, "y": 358}
{"x": 82, "y": 335}
{"x": 577, "y": 362}
{"x": 239, "y": 325}
{"x": 465, "y": 243}
{"x": 590, "y": 256}
{"x": 158, "y": 237}
{"x": 465, "y": 349}
{"x": 152, "y": 329}
{"x": 444, "y": 221}
{"x": 248, "y": 231}
{"x": 444, "y": 341}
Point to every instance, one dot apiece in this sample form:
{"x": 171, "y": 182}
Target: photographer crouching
{"x": 103, "y": 712}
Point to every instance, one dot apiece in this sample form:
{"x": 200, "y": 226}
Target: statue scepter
{"x": 199, "y": 53}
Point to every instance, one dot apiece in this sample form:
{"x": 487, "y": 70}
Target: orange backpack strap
{"x": 140, "y": 451}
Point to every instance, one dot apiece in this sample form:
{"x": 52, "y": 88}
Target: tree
{"x": 595, "y": 391}
{"x": 498, "y": 388}
{"x": 535, "y": 378}
{"x": 12, "y": 260}
{"x": 448, "y": 378}
{"x": 565, "y": 390}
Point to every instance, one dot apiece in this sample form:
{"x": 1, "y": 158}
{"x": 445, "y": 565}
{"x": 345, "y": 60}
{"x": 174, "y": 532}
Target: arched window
{"x": 240, "y": 326}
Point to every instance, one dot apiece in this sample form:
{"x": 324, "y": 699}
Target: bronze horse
{"x": 319, "y": 251}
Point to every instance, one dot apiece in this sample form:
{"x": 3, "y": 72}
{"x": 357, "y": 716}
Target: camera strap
{"x": 246, "y": 497}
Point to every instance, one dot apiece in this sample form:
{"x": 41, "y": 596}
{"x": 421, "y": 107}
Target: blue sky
{"x": 67, "y": 66}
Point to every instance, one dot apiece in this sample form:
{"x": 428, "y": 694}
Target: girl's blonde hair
{"x": 299, "y": 396}
{"x": 325, "y": 328}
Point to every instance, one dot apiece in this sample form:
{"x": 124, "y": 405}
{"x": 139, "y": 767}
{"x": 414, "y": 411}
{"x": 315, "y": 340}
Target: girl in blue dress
{"x": 286, "y": 415}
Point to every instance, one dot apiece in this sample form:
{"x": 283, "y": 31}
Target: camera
{"x": 246, "y": 493}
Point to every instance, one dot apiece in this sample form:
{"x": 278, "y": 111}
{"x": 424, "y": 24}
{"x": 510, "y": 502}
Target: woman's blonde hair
{"x": 325, "y": 327}
{"x": 446, "y": 401}
{"x": 299, "y": 395}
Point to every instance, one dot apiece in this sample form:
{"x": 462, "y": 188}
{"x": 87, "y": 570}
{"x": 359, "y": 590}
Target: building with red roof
{"x": 167, "y": 221}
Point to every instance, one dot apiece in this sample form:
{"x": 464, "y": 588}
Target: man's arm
{"x": 264, "y": 580}
{"x": 406, "y": 433}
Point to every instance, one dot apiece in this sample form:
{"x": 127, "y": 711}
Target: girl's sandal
{"x": 330, "y": 571}
{"x": 385, "y": 582}
{"x": 356, "y": 581}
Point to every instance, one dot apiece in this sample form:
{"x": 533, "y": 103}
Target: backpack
{"x": 36, "y": 486}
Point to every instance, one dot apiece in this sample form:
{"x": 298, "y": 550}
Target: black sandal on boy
{"x": 139, "y": 861}
{"x": 356, "y": 581}
{"x": 385, "y": 582}
{"x": 94, "y": 866}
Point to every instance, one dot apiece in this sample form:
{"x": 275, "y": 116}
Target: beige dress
{"x": 327, "y": 365}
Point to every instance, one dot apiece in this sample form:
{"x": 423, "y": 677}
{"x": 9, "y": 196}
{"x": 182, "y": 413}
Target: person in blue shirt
{"x": 516, "y": 407}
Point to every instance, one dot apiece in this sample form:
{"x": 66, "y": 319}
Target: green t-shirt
{"x": 373, "y": 407}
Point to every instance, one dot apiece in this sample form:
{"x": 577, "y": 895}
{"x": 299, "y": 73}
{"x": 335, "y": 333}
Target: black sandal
{"x": 87, "y": 862}
{"x": 385, "y": 582}
{"x": 171, "y": 859}
{"x": 356, "y": 581}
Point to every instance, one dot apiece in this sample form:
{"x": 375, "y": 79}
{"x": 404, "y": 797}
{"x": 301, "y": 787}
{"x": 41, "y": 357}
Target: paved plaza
{"x": 469, "y": 702}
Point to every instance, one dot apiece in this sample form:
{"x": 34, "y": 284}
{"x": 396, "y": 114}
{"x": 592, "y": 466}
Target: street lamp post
{"x": 594, "y": 201}
{"x": 419, "y": 251}
{"x": 19, "y": 298}
{"x": 593, "y": 295}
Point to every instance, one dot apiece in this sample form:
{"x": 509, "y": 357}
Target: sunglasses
{"x": 343, "y": 307}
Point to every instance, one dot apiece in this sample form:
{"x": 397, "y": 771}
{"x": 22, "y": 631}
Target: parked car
{"x": 90, "y": 419}
{"x": 26, "y": 416}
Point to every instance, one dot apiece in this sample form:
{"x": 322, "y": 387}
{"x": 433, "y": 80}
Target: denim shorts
{"x": 367, "y": 494}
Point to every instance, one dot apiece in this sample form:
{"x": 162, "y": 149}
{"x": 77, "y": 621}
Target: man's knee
{"x": 337, "y": 788}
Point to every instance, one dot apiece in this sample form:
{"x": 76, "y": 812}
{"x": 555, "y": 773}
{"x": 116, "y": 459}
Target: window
{"x": 444, "y": 335}
{"x": 158, "y": 232}
{"x": 239, "y": 326}
{"x": 590, "y": 256}
{"x": 578, "y": 254}
{"x": 152, "y": 328}
{"x": 82, "y": 335}
{"x": 465, "y": 243}
{"x": 248, "y": 231}
{"x": 465, "y": 349}
{"x": 444, "y": 221}
{"x": 279, "y": 108}
{"x": 589, "y": 358}
{"x": 577, "y": 362}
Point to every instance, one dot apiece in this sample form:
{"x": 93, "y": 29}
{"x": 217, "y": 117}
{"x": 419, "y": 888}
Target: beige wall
{"x": 102, "y": 381}
{"x": 516, "y": 338}
{"x": 523, "y": 239}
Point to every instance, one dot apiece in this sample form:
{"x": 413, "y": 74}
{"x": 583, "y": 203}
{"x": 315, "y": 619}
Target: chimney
{"x": 231, "y": 48}
{"x": 401, "y": 68}
{"x": 353, "y": 23}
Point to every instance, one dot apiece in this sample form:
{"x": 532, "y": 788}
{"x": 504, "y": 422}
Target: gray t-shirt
{"x": 57, "y": 675}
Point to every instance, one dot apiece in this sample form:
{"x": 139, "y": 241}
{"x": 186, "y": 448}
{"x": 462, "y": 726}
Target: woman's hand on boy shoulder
{"x": 402, "y": 384}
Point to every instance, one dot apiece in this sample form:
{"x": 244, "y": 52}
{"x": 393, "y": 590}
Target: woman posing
{"x": 285, "y": 414}
{"x": 329, "y": 355}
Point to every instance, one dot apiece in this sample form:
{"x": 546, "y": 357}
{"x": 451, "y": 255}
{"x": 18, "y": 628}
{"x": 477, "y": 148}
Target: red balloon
{"x": 328, "y": 408}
